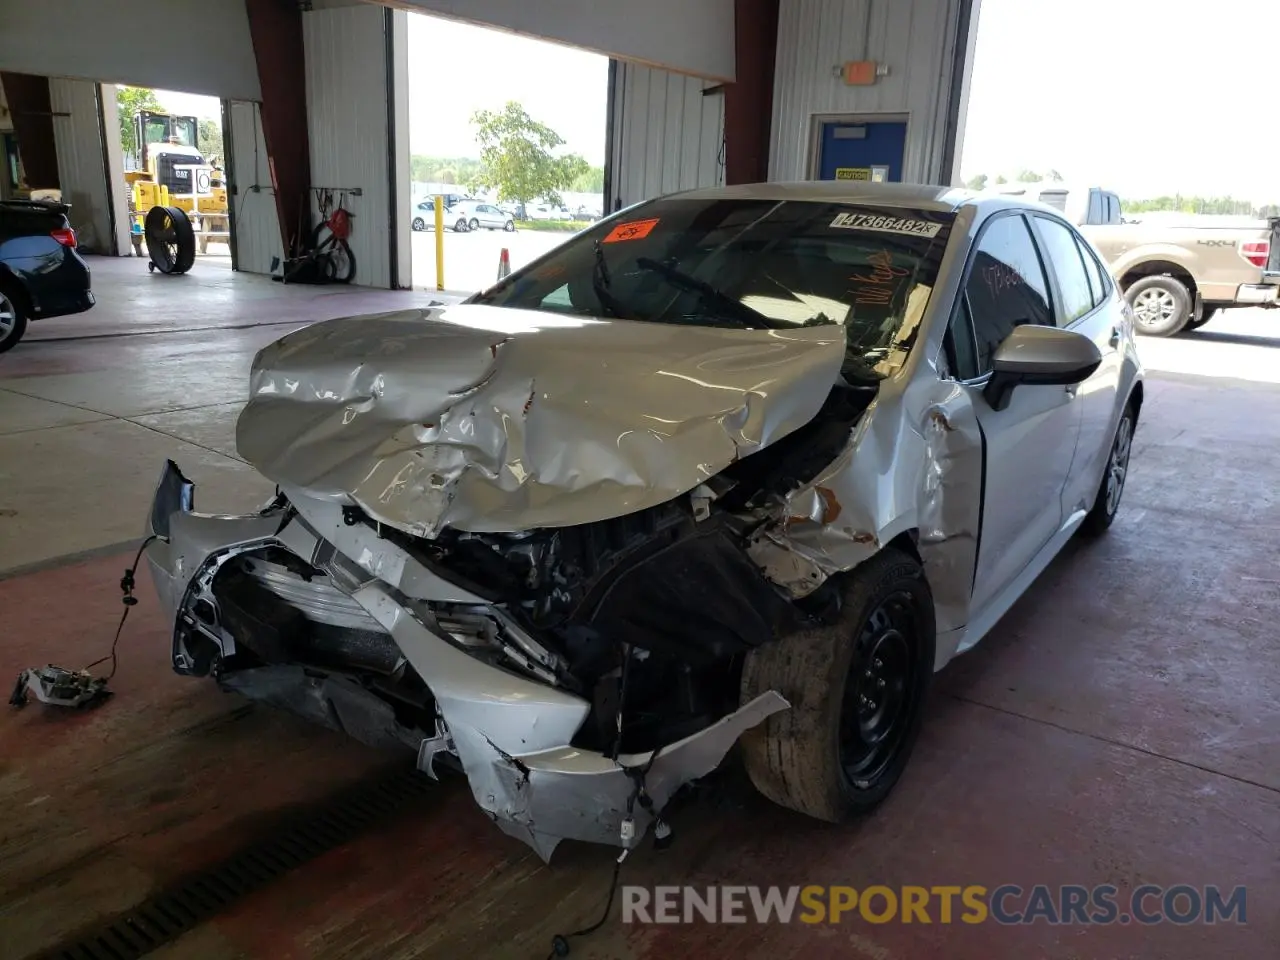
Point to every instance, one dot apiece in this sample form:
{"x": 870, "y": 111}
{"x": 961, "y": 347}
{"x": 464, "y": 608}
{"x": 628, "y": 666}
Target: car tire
{"x": 880, "y": 650}
{"x": 1161, "y": 305}
{"x": 1107, "y": 500}
{"x": 419, "y": 224}
{"x": 460, "y": 227}
{"x": 13, "y": 317}
{"x": 474, "y": 224}
{"x": 509, "y": 226}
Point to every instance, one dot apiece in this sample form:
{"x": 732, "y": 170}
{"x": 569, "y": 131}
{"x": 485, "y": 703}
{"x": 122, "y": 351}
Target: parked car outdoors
{"x": 41, "y": 273}
{"x": 547, "y": 211}
{"x": 424, "y": 215}
{"x": 741, "y": 463}
{"x": 474, "y": 215}
{"x": 1180, "y": 271}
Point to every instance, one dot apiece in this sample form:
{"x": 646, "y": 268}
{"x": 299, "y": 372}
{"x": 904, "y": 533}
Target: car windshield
{"x": 751, "y": 264}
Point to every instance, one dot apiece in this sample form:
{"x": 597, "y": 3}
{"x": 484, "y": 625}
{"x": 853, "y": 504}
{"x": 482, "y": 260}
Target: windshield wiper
{"x": 731, "y": 308}
{"x": 600, "y": 282}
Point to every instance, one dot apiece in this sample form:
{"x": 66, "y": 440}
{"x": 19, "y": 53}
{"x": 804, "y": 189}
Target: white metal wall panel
{"x": 668, "y": 134}
{"x": 253, "y": 202}
{"x": 80, "y": 161}
{"x": 914, "y": 38}
{"x": 687, "y": 36}
{"x": 196, "y": 46}
{"x": 346, "y": 56}
{"x": 114, "y": 151}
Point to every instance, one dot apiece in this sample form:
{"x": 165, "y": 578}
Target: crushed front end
{"x": 578, "y": 675}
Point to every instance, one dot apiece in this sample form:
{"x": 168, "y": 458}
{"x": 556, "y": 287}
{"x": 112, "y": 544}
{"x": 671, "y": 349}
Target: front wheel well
{"x": 1135, "y": 401}
{"x": 1156, "y": 268}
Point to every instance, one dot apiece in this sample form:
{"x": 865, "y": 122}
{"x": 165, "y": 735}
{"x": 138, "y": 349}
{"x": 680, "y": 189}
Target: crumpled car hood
{"x": 498, "y": 420}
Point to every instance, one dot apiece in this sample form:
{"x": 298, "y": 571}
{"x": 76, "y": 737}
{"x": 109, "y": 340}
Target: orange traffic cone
{"x": 504, "y": 263}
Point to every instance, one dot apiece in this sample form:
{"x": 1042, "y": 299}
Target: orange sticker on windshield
{"x": 635, "y": 230}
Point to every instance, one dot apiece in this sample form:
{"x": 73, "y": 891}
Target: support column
{"x": 748, "y": 101}
{"x": 276, "y": 29}
{"x": 32, "y": 112}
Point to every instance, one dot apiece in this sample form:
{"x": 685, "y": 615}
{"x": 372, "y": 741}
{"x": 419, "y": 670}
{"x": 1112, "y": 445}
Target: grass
{"x": 556, "y": 226}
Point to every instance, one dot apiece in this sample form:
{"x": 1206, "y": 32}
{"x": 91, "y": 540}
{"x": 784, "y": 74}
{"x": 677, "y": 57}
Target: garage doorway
{"x": 868, "y": 147}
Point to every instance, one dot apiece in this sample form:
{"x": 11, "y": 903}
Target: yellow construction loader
{"x": 168, "y": 170}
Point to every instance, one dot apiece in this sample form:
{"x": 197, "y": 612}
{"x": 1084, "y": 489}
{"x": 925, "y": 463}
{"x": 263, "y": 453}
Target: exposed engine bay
{"x": 645, "y": 616}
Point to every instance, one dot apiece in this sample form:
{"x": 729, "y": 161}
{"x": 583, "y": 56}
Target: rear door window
{"x": 1006, "y": 286}
{"x": 1068, "y": 266}
{"x": 1098, "y": 277}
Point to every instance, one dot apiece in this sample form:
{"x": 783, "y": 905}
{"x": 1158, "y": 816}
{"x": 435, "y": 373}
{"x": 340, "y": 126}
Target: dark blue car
{"x": 41, "y": 274}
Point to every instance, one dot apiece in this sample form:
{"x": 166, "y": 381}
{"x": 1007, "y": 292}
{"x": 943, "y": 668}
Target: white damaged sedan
{"x": 749, "y": 463}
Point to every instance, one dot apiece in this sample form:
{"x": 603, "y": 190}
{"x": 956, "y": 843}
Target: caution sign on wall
{"x": 853, "y": 173}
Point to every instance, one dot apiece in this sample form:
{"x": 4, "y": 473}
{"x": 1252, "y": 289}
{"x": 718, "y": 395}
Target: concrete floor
{"x": 1120, "y": 725}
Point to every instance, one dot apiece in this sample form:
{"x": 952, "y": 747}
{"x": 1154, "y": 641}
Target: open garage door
{"x": 666, "y": 133}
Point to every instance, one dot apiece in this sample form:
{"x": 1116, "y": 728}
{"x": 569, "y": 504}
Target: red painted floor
{"x": 1120, "y": 726}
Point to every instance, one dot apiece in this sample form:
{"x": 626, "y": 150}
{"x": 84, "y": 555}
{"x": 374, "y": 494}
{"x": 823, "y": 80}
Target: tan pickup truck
{"x": 1177, "y": 271}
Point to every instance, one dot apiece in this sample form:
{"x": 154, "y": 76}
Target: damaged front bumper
{"x": 505, "y": 721}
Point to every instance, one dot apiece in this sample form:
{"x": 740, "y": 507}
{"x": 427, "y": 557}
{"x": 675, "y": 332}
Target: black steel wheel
{"x": 171, "y": 241}
{"x": 857, "y": 689}
{"x": 879, "y": 692}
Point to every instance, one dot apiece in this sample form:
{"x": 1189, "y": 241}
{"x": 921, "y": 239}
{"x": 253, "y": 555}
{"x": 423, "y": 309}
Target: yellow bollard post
{"x": 439, "y": 243}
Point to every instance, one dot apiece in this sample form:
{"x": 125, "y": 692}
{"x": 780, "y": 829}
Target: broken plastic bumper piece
{"x": 510, "y": 731}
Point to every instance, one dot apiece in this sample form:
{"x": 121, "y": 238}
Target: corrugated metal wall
{"x": 80, "y": 161}
{"x": 253, "y": 203}
{"x": 915, "y": 38}
{"x": 667, "y": 135}
{"x": 346, "y": 53}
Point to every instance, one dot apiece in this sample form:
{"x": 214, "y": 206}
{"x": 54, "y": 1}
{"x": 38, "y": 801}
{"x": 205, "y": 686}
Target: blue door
{"x": 862, "y": 151}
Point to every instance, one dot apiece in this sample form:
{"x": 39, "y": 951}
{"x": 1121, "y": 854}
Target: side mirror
{"x": 1035, "y": 354}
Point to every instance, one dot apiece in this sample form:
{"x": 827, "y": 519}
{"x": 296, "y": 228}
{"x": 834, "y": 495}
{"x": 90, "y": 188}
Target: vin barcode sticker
{"x": 875, "y": 224}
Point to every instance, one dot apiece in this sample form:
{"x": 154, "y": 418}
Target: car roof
{"x": 863, "y": 193}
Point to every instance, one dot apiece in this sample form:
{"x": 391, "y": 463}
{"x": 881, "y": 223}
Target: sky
{"x": 456, "y": 69}
{"x": 1144, "y": 97}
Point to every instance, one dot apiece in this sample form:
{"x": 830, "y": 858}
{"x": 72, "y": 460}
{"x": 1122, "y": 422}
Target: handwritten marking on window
{"x": 879, "y": 285}
{"x": 1000, "y": 277}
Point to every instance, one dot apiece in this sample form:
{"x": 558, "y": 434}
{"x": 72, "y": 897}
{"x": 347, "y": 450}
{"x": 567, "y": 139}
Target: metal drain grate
{"x": 198, "y": 898}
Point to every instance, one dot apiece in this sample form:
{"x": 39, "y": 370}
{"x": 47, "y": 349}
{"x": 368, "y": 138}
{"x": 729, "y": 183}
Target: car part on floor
{"x": 59, "y": 687}
{"x": 171, "y": 241}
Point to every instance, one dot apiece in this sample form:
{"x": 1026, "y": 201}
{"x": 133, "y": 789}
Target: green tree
{"x": 1029, "y": 176}
{"x": 590, "y": 180}
{"x": 1000, "y": 178}
{"x": 210, "y": 140}
{"x": 516, "y": 157}
{"x": 1055, "y": 176}
{"x": 977, "y": 183}
{"x": 129, "y": 101}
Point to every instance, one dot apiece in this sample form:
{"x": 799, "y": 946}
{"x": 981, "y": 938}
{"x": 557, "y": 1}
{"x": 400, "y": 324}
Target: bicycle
{"x": 329, "y": 257}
